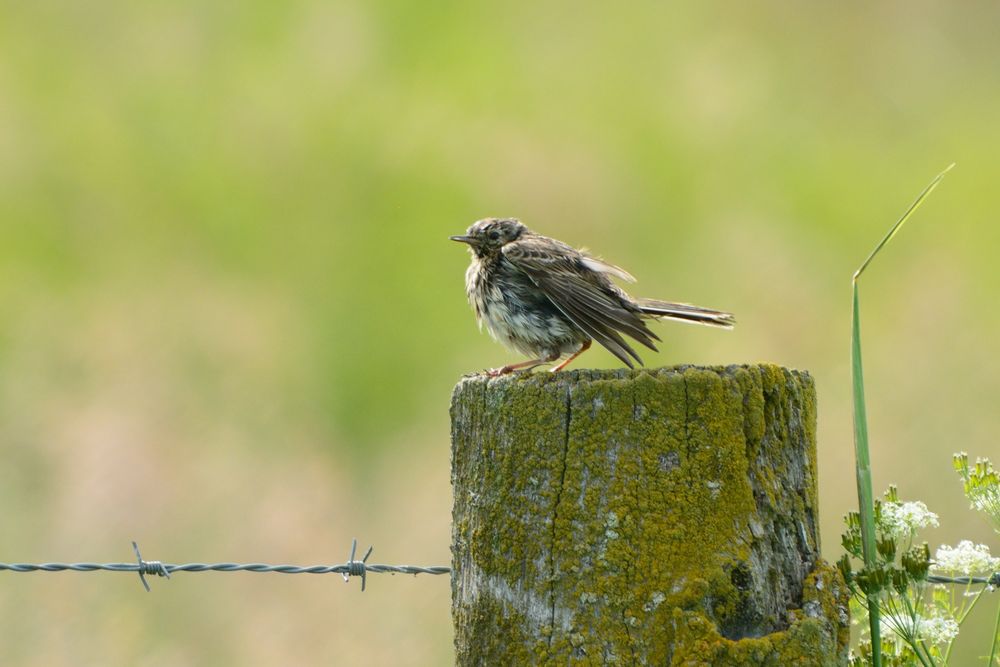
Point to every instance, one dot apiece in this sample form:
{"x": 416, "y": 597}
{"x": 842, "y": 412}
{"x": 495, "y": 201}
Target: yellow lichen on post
{"x": 640, "y": 517}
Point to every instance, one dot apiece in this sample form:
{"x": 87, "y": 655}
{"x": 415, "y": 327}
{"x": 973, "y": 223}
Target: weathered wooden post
{"x": 651, "y": 517}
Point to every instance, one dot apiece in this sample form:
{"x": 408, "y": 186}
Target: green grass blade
{"x": 906, "y": 216}
{"x": 866, "y": 504}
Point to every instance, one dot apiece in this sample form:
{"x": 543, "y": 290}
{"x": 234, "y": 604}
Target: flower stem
{"x": 996, "y": 639}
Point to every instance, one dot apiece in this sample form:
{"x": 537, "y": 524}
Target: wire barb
{"x": 358, "y": 568}
{"x": 149, "y": 567}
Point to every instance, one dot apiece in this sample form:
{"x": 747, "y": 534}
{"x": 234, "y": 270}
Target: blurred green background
{"x": 230, "y": 317}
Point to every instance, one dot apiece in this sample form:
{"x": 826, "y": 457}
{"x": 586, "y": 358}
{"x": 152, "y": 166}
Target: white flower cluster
{"x": 938, "y": 629}
{"x": 965, "y": 559}
{"x": 903, "y": 519}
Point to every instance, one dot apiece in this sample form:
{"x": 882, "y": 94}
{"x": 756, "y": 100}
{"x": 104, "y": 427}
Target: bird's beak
{"x": 463, "y": 239}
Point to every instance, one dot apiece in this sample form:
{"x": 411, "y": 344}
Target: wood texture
{"x": 653, "y": 517}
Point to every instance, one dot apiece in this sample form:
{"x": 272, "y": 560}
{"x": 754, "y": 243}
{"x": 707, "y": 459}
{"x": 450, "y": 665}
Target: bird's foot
{"x": 522, "y": 367}
{"x": 583, "y": 348}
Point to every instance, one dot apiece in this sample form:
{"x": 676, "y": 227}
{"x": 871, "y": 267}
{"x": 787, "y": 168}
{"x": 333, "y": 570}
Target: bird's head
{"x": 488, "y": 236}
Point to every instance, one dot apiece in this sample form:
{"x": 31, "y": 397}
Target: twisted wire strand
{"x": 993, "y": 580}
{"x": 353, "y": 567}
{"x": 170, "y": 568}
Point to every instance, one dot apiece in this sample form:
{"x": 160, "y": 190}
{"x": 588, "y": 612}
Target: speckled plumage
{"x": 546, "y": 299}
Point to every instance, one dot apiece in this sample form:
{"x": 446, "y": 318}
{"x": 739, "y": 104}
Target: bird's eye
{"x": 494, "y": 235}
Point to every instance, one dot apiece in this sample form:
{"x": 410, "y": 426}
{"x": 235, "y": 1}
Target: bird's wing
{"x": 584, "y": 296}
{"x": 599, "y": 265}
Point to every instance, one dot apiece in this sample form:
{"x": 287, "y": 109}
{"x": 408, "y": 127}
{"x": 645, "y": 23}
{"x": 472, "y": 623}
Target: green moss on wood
{"x": 639, "y": 517}
{"x": 817, "y": 633}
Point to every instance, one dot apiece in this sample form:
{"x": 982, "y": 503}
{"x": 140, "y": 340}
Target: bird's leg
{"x": 523, "y": 366}
{"x": 583, "y": 348}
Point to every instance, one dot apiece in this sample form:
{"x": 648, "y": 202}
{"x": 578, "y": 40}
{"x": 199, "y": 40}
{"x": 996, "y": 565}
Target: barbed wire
{"x": 352, "y": 568}
{"x": 993, "y": 580}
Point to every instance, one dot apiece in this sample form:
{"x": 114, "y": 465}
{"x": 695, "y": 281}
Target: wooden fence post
{"x": 650, "y": 517}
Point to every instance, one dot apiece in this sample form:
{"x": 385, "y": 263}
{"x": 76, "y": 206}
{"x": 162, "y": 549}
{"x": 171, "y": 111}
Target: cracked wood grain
{"x": 657, "y": 517}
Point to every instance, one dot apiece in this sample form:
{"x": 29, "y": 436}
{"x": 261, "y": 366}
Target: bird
{"x": 546, "y": 299}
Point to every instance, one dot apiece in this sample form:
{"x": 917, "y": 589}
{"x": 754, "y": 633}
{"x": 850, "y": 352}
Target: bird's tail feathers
{"x": 685, "y": 312}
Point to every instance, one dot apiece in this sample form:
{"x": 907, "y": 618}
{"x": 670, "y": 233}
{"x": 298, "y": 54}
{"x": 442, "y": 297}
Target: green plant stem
{"x": 965, "y": 612}
{"x": 913, "y": 639}
{"x": 930, "y": 659}
{"x": 961, "y": 618}
{"x": 996, "y": 639}
{"x": 926, "y": 661}
{"x": 866, "y": 505}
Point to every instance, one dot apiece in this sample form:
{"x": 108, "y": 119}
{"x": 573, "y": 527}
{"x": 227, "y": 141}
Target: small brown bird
{"x": 546, "y": 299}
